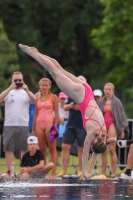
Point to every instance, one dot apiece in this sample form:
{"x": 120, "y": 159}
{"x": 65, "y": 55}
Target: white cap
{"x": 97, "y": 93}
{"x": 32, "y": 140}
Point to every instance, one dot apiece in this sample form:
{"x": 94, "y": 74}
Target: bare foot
{"x": 27, "y": 49}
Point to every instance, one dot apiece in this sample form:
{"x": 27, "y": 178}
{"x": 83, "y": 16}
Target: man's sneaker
{"x": 95, "y": 172}
{"x": 125, "y": 176}
{"x": 79, "y": 173}
{"x": 62, "y": 173}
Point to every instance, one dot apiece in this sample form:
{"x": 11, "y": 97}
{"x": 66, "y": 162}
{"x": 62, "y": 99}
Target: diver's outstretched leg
{"x": 70, "y": 88}
{"x": 57, "y": 65}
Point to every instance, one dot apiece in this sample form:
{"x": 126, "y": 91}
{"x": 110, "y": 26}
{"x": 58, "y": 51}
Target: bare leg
{"x": 87, "y": 145}
{"x": 73, "y": 90}
{"x": 41, "y": 140}
{"x": 112, "y": 148}
{"x": 80, "y": 152}
{"x": 65, "y": 156}
{"x": 93, "y": 162}
{"x": 57, "y": 65}
{"x": 130, "y": 158}
{"x": 104, "y": 162}
{"x": 52, "y": 149}
{"x": 48, "y": 167}
{"x": 9, "y": 158}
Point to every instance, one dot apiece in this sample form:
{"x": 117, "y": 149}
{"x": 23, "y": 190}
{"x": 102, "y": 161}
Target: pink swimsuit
{"x": 45, "y": 112}
{"x": 107, "y": 116}
{"x": 88, "y": 97}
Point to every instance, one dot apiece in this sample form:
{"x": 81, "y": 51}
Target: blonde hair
{"x": 100, "y": 146}
{"x": 113, "y": 87}
{"x": 45, "y": 79}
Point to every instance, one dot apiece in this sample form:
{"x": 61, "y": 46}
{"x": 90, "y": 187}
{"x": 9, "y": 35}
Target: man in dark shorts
{"x": 32, "y": 162}
{"x": 74, "y": 130}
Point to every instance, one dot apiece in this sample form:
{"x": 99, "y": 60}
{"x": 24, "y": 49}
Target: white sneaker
{"x": 122, "y": 143}
{"x": 125, "y": 176}
{"x": 95, "y": 172}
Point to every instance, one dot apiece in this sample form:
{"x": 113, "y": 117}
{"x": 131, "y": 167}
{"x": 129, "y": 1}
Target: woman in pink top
{"x": 46, "y": 115}
{"x": 82, "y": 94}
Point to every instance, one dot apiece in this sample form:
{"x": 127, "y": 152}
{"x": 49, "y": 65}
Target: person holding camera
{"x": 17, "y": 98}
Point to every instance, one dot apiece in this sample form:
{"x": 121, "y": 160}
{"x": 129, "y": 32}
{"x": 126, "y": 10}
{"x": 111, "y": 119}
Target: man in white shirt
{"x": 17, "y": 98}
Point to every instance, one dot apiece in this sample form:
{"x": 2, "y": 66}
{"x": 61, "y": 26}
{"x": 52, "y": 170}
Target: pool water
{"x": 66, "y": 189}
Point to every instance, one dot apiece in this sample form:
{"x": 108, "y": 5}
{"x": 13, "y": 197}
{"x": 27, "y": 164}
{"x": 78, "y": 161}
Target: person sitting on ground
{"x": 32, "y": 163}
{"x": 128, "y": 174}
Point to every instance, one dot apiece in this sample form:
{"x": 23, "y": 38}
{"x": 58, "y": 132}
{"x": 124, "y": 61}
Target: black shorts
{"x": 74, "y": 133}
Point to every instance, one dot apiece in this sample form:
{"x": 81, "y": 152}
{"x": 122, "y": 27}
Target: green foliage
{"x": 115, "y": 41}
{"x": 8, "y": 59}
{"x": 60, "y": 29}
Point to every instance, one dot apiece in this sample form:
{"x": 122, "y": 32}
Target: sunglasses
{"x": 17, "y": 80}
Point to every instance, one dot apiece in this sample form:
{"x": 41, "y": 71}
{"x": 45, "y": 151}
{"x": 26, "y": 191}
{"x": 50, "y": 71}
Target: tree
{"x": 60, "y": 29}
{"x": 115, "y": 41}
{"x": 8, "y": 59}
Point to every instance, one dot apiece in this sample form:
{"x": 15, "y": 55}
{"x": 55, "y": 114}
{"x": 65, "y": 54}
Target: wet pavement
{"x": 66, "y": 189}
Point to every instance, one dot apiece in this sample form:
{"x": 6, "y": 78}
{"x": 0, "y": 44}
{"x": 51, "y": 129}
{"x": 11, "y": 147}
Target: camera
{"x": 19, "y": 84}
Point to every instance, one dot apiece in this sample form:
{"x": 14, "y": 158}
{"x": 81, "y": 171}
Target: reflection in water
{"x": 66, "y": 189}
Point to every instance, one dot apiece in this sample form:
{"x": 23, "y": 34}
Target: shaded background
{"x": 92, "y": 38}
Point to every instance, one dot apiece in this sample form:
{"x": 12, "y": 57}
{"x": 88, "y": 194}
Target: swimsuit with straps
{"x": 83, "y": 106}
{"x": 108, "y": 118}
{"x": 45, "y": 112}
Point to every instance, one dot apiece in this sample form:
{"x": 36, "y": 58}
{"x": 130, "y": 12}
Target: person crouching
{"x": 32, "y": 163}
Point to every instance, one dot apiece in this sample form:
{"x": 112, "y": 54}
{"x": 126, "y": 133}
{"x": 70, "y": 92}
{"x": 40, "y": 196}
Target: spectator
{"x": 32, "y": 162}
{"x": 98, "y": 95}
{"x": 128, "y": 174}
{"x": 32, "y": 112}
{"x": 63, "y": 116}
{"x": 46, "y": 115}
{"x": 74, "y": 130}
{"x": 17, "y": 100}
{"x": 116, "y": 124}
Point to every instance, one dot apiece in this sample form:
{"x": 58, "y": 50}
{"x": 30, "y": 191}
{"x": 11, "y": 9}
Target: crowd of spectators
{"x": 55, "y": 123}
